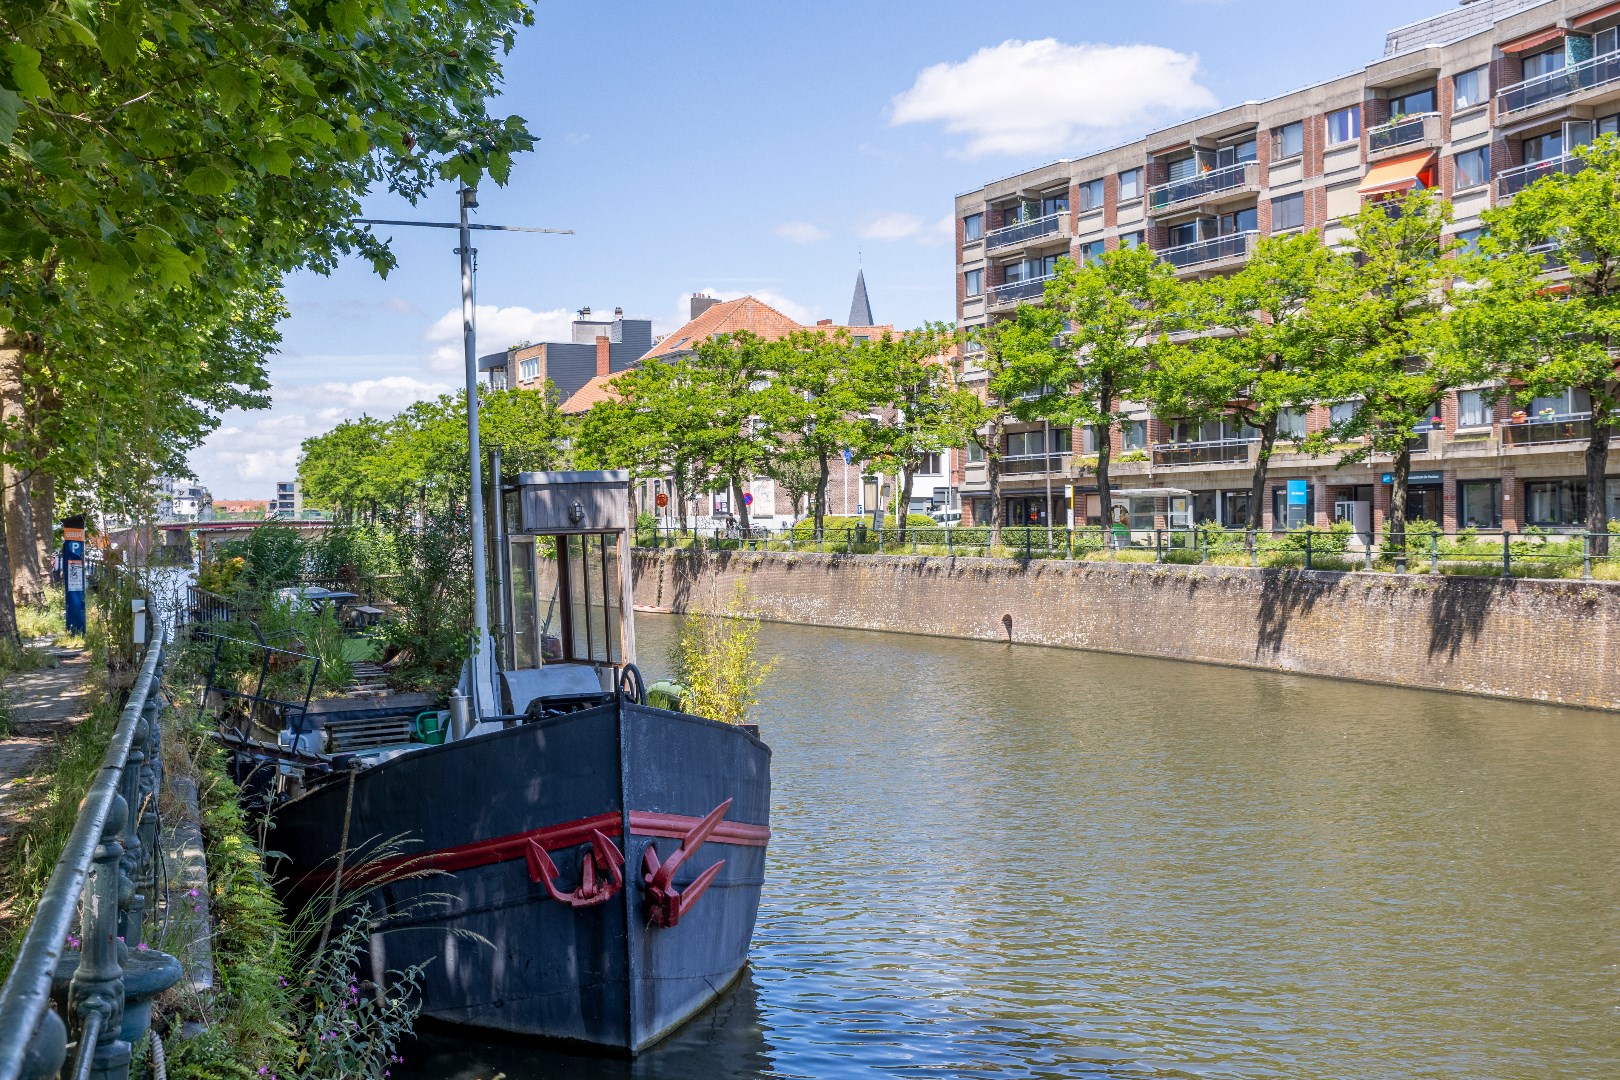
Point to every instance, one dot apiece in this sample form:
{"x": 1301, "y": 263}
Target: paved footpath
{"x": 43, "y": 704}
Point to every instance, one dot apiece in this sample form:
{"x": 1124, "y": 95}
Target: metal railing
{"x": 1162, "y": 196}
{"x": 1510, "y": 182}
{"x": 109, "y": 864}
{"x": 1055, "y": 462}
{"x": 1207, "y": 251}
{"x": 1566, "y": 427}
{"x": 1013, "y": 292}
{"x": 1402, "y": 131}
{"x": 1209, "y": 452}
{"x": 1008, "y": 235}
{"x": 1559, "y": 84}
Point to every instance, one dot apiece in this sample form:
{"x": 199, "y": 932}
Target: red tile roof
{"x": 744, "y": 313}
{"x": 595, "y": 390}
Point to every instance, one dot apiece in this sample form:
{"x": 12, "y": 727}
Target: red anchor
{"x": 667, "y": 902}
{"x": 604, "y": 857}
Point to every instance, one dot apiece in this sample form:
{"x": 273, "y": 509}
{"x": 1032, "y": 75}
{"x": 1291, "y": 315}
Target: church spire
{"x": 860, "y": 308}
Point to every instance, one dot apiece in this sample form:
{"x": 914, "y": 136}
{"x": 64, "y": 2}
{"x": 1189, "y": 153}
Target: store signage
{"x": 1415, "y": 478}
{"x": 1298, "y": 493}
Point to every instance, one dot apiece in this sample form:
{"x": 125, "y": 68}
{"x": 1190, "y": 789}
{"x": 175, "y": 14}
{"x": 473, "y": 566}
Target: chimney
{"x": 823, "y": 322}
{"x": 604, "y": 355}
{"x": 618, "y": 313}
{"x": 584, "y": 313}
{"x": 700, "y": 304}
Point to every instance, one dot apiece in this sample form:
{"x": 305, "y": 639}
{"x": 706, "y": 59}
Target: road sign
{"x": 748, "y": 498}
{"x": 848, "y": 457}
{"x": 661, "y": 499}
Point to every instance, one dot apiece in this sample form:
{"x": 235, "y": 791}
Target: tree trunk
{"x": 992, "y": 469}
{"x": 1397, "y": 504}
{"x": 42, "y": 492}
{"x": 903, "y": 511}
{"x": 1105, "y": 447}
{"x": 1257, "y": 486}
{"x": 1597, "y": 467}
{"x": 825, "y": 467}
{"x": 22, "y": 541}
{"x": 742, "y": 507}
{"x": 11, "y": 360}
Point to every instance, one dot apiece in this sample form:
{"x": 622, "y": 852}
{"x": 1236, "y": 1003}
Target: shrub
{"x": 713, "y": 660}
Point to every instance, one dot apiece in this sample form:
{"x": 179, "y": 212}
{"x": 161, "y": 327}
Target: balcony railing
{"x": 1559, "y": 84}
{"x": 1018, "y": 291}
{"x": 1206, "y": 251}
{"x": 1510, "y": 182}
{"x": 1055, "y": 462}
{"x": 1202, "y": 186}
{"x": 1211, "y": 452}
{"x": 1008, "y": 235}
{"x": 1403, "y": 131}
{"x": 1564, "y": 427}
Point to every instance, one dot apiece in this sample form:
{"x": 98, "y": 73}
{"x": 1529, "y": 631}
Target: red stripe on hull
{"x": 550, "y": 837}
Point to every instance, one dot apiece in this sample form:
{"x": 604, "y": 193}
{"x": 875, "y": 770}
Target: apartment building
{"x": 597, "y": 345}
{"x": 288, "y": 501}
{"x": 1477, "y": 103}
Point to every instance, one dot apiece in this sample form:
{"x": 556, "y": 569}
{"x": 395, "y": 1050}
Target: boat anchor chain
{"x": 667, "y": 902}
{"x": 602, "y": 857}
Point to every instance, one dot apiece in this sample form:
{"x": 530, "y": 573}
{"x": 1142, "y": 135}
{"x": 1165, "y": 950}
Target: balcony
{"x": 1213, "y": 452}
{"x": 1232, "y": 179}
{"x": 1555, "y": 85}
{"x": 1509, "y": 182}
{"x": 1019, "y": 292}
{"x": 1055, "y": 463}
{"x": 1055, "y": 226}
{"x": 1203, "y": 252}
{"x": 1566, "y": 427}
{"x": 1418, "y": 129}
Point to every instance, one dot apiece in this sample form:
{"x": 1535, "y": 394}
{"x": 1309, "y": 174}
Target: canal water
{"x": 1006, "y": 861}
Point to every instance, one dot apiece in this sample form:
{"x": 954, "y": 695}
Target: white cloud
{"x": 894, "y": 225}
{"x": 1033, "y": 97}
{"x": 801, "y": 232}
{"x": 253, "y": 450}
{"x": 498, "y": 327}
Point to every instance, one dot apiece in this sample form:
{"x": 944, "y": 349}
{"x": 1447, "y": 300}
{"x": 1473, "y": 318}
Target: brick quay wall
{"x": 1549, "y": 641}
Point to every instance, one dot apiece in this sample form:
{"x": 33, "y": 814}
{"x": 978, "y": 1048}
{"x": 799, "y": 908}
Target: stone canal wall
{"x": 1553, "y": 641}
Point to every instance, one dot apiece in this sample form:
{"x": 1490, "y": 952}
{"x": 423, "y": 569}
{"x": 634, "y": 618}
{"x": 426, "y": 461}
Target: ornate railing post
{"x": 131, "y": 904}
{"x": 96, "y": 995}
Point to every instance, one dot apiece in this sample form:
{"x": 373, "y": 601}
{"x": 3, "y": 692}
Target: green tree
{"x": 1002, "y": 345}
{"x": 1256, "y": 346}
{"x": 1544, "y": 335}
{"x": 1385, "y": 307}
{"x": 1111, "y": 321}
{"x": 913, "y": 406}
{"x": 816, "y": 398}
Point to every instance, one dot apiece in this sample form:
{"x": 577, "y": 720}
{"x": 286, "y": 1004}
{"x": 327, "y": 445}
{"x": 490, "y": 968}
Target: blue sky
{"x": 764, "y": 148}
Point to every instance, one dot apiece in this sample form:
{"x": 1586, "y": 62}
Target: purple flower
{"x": 263, "y": 1069}
{"x": 142, "y": 947}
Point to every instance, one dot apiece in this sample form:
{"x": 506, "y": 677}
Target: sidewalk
{"x": 43, "y": 704}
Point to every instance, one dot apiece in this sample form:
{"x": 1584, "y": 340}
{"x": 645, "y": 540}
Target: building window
{"x": 1235, "y": 509}
{"x": 1286, "y": 515}
{"x": 1469, "y": 239}
{"x": 1183, "y": 234}
{"x": 1240, "y": 221}
{"x": 1342, "y": 413}
{"x": 973, "y": 282}
{"x": 1288, "y": 212}
{"x": 1091, "y": 252}
{"x": 973, "y": 227}
{"x": 1142, "y": 516}
{"x": 1130, "y": 185}
{"x": 1558, "y": 503}
{"x": 1291, "y": 424}
{"x": 1054, "y": 204}
{"x": 975, "y": 452}
{"x": 1544, "y": 63}
{"x": 1543, "y": 147}
{"x": 1606, "y": 41}
{"x": 1473, "y": 168}
{"x": 1131, "y": 240}
{"x": 1469, "y": 88}
{"x": 1091, "y": 195}
{"x": 1608, "y": 125}
{"x": 1344, "y": 126}
{"x": 1183, "y": 169}
{"x": 1479, "y": 504}
{"x": 1412, "y": 104}
{"x": 1473, "y": 409}
{"x": 1288, "y": 141}
{"x": 529, "y": 370}
{"x": 928, "y": 465}
{"x": 1564, "y": 404}
{"x": 1135, "y": 434}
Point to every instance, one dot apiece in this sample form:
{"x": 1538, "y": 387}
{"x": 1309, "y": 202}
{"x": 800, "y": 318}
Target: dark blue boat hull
{"x": 497, "y": 949}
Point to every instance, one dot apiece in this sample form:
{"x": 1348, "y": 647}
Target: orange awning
{"x": 1597, "y": 16}
{"x": 1396, "y": 174}
{"x": 1530, "y": 41}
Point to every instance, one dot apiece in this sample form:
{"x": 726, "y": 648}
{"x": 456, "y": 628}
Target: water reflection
{"x": 996, "y": 861}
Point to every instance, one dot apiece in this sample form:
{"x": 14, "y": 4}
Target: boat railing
{"x": 94, "y": 906}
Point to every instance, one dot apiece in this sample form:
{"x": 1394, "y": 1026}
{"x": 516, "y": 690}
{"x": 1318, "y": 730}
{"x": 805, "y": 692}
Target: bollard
{"x": 1507, "y": 555}
{"x": 1366, "y": 551}
{"x": 948, "y": 552}
{"x": 1254, "y": 548}
{"x": 1158, "y": 545}
{"x": 1026, "y": 543}
{"x": 1308, "y": 535}
{"x": 1586, "y": 556}
{"x": 1203, "y": 545}
{"x": 1434, "y": 553}
{"x": 1068, "y": 544}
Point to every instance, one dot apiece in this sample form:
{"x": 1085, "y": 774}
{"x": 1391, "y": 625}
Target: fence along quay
{"x": 108, "y": 863}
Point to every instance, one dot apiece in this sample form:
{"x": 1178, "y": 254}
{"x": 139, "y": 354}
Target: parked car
{"x": 950, "y": 519}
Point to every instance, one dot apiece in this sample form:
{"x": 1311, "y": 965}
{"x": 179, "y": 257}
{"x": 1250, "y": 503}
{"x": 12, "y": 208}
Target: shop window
{"x": 1479, "y": 504}
{"x": 1235, "y": 509}
{"x": 1291, "y": 516}
{"x": 1555, "y": 503}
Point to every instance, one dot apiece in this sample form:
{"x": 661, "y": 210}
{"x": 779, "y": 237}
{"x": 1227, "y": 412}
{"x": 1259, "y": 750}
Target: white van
{"x": 950, "y": 519}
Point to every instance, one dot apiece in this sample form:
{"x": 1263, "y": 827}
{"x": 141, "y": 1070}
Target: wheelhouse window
{"x": 973, "y": 227}
{"x": 1344, "y": 125}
